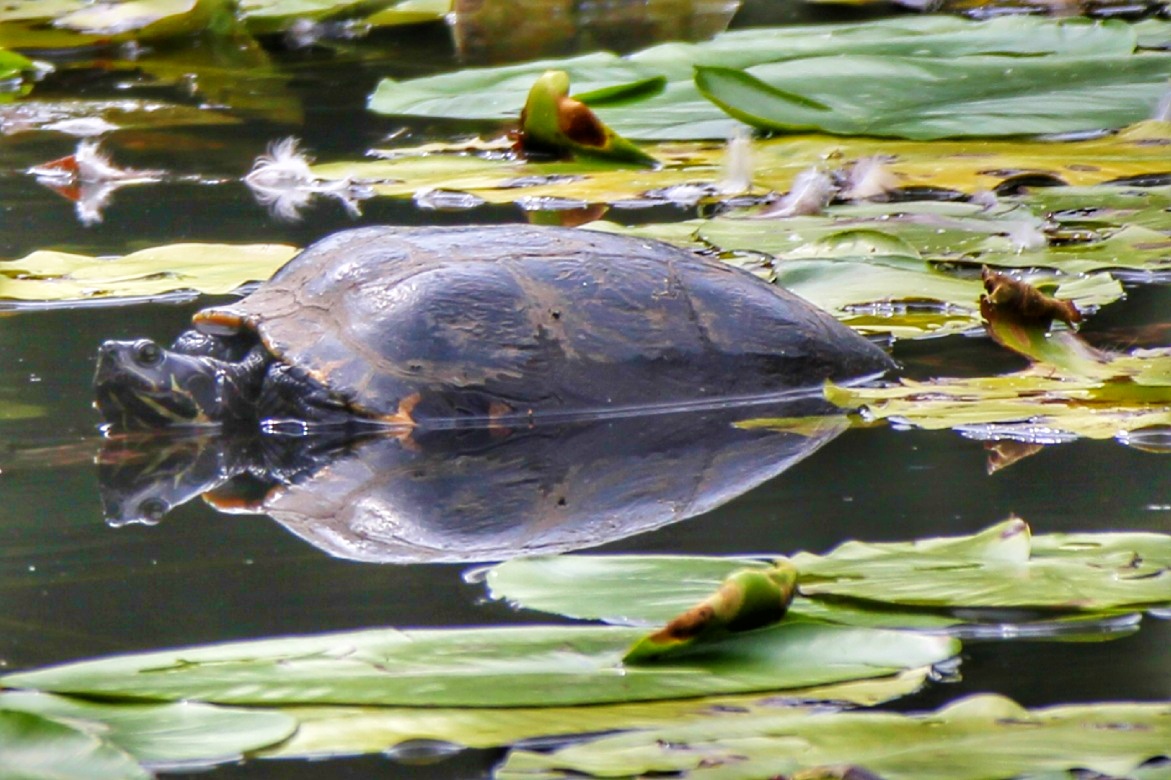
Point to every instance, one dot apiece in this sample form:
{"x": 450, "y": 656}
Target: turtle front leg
{"x": 290, "y": 393}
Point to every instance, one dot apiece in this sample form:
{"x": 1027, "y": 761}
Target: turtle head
{"x": 142, "y": 385}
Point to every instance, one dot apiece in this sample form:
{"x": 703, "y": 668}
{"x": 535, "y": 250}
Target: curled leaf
{"x": 747, "y": 599}
{"x": 554, "y": 123}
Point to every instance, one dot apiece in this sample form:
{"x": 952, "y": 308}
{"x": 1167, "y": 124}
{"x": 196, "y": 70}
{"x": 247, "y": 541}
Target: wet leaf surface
{"x": 977, "y": 738}
{"x": 490, "y": 667}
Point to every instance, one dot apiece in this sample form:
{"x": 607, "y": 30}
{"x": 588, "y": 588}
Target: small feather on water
{"x": 811, "y": 192}
{"x": 282, "y": 180}
{"x": 868, "y": 178}
{"x": 736, "y": 176}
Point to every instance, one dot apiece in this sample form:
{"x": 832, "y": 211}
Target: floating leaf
{"x": 748, "y": 598}
{"x": 142, "y": 19}
{"x": 208, "y": 268}
{"x": 553, "y": 122}
{"x": 598, "y": 587}
{"x": 326, "y": 731}
{"x": 976, "y": 738}
{"x": 680, "y": 112}
{"x": 490, "y": 667}
{"x": 1124, "y": 394}
{"x": 941, "y": 97}
{"x": 40, "y": 748}
{"x": 481, "y": 169}
{"x": 162, "y": 733}
{"x": 272, "y": 16}
{"x": 995, "y": 568}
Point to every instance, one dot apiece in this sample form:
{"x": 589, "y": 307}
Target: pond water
{"x": 74, "y": 587}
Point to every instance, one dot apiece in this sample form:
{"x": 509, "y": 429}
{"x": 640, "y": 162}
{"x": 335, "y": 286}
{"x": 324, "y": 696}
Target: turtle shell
{"x": 483, "y": 320}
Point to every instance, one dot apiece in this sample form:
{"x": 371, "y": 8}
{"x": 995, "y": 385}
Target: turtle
{"x": 419, "y": 326}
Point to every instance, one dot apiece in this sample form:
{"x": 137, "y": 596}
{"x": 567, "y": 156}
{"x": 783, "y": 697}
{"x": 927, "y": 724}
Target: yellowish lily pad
{"x": 206, "y": 268}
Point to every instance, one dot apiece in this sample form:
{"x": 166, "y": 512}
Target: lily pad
{"x": 976, "y": 738}
{"x": 330, "y": 731}
{"x": 694, "y": 172}
{"x": 207, "y": 268}
{"x": 490, "y": 667}
{"x": 161, "y": 733}
{"x": 680, "y": 112}
{"x": 995, "y": 568}
{"x": 272, "y": 16}
{"x": 1037, "y": 405}
{"x": 941, "y": 97}
{"x": 40, "y": 748}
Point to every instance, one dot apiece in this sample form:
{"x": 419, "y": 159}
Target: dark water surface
{"x": 73, "y": 587}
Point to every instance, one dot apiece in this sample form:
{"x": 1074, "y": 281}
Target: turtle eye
{"x": 148, "y": 353}
{"x": 152, "y": 510}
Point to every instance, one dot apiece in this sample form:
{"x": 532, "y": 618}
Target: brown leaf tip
{"x": 686, "y": 626}
{"x": 579, "y": 123}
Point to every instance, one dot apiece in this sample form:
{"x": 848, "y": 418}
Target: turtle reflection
{"x": 466, "y": 495}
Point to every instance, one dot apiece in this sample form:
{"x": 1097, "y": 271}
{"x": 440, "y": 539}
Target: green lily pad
{"x": 976, "y": 738}
{"x": 162, "y": 733}
{"x": 995, "y": 568}
{"x": 678, "y": 111}
{"x": 207, "y": 268}
{"x": 331, "y": 731}
{"x": 912, "y": 585}
{"x": 40, "y": 748}
{"x": 142, "y": 19}
{"x": 490, "y": 667}
{"x": 941, "y": 97}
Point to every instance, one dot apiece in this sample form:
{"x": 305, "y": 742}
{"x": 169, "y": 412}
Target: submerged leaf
{"x": 976, "y": 738}
{"x": 489, "y": 667}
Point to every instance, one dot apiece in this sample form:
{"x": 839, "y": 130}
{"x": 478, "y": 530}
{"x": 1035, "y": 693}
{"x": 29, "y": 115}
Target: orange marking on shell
{"x": 218, "y": 321}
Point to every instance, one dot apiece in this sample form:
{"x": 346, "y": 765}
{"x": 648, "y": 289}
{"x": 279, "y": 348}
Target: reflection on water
{"x": 476, "y": 494}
